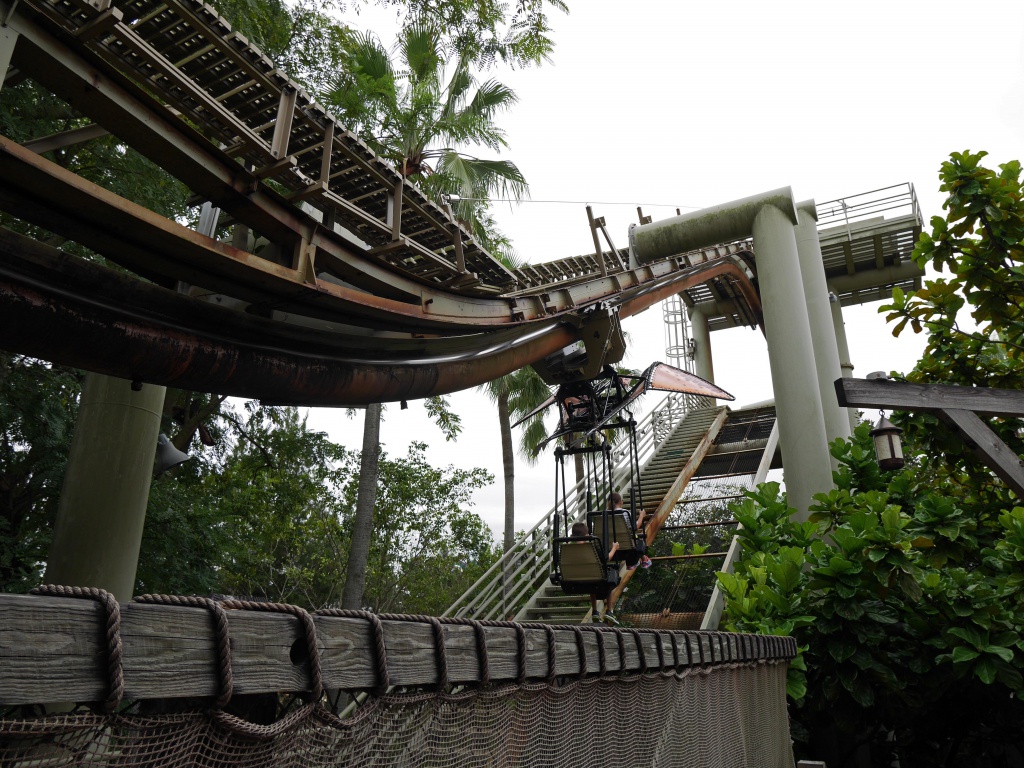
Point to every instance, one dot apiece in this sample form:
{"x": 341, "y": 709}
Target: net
{"x": 724, "y": 715}
{"x": 687, "y": 553}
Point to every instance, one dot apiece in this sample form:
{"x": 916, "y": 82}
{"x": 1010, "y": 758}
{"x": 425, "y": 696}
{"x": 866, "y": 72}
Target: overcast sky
{"x": 691, "y": 104}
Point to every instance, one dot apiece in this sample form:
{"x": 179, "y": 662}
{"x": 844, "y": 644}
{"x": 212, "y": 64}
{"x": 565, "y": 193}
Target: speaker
{"x": 167, "y": 456}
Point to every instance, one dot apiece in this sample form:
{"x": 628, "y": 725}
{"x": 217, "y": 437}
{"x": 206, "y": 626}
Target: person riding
{"x": 579, "y": 531}
{"x": 643, "y": 560}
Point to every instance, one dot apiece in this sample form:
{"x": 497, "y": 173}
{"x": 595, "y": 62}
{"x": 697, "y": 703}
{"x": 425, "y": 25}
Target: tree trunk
{"x": 366, "y": 498}
{"x": 508, "y": 463}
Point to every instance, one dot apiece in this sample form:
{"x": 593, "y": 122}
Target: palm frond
{"x": 420, "y": 48}
{"x": 490, "y": 98}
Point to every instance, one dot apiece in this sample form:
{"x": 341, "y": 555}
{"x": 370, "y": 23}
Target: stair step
{"x": 561, "y": 622}
{"x": 555, "y": 618}
{"x": 566, "y": 600}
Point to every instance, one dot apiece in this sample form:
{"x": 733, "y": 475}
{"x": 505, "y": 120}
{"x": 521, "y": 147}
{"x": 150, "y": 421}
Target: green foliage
{"x": 488, "y": 31}
{"x": 905, "y": 589}
{"x": 270, "y": 516}
{"x": 421, "y": 110}
{"x": 905, "y": 602}
{"x": 980, "y": 244}
{"x": 265, "y": 512}
{"x": 37, "y": 415}
{"x": 427, "y": 546}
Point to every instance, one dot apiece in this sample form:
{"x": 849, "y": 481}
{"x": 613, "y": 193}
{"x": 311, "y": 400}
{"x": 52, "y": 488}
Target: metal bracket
{"x": 600, "y": 331}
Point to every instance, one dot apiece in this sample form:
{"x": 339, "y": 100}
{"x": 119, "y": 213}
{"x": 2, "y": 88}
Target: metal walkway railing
{"x": 508, "y": 584}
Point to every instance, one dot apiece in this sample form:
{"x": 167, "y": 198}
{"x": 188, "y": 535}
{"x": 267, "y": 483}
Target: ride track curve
{"x": 368, "y": 295}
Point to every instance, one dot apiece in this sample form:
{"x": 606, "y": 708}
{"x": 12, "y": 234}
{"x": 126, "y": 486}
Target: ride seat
{"x": 580, "y": 567}
{"x": 631, "y": 543}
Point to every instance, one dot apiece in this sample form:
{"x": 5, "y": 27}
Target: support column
{"x": 797, "y": 398}
{"x": 823, "y": 337}
{"x": 8, "y": 37}
{"x": 106, "y": 486}
{"x": 700, "y": 332}
{"x": 845, "y": 366}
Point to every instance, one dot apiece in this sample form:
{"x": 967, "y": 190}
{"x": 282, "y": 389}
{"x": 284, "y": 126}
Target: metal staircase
{"x": 506, "y": 588}
{"x": 657, "y": 477}
{"x": 552, "y": 606}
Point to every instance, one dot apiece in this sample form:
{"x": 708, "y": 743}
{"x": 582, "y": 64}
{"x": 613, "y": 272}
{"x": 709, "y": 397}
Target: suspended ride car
{"x": 590, "y": 412}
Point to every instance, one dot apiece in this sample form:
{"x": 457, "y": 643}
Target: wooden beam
{"x": 901, "y": 395}
{"x": 986, "y": 445}
{"x": 671, "y": 497}
{"x": 54, "y": 649}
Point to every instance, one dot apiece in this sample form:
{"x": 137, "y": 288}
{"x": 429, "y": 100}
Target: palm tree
{"x": 410, "y": 113}
{"x": 419, "y": 119}
{"x": 516, "y": 394}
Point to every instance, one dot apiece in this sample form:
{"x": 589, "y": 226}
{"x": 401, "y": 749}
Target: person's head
{"x": 579, "y": 529}
{"x": 616, "y": 500}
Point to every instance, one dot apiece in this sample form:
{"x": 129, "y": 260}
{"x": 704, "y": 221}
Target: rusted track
{"x": 182, "y": 56}
{"x": 78, "y": 313}
{"x": 46, "y": 194}
{"x": 334, "y": 311}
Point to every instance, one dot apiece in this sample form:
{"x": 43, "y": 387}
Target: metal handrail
{"x": 854, "y": 208}
{"x": 490, "y": 594}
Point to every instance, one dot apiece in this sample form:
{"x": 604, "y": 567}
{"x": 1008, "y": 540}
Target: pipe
{"x": 710, "y": 226}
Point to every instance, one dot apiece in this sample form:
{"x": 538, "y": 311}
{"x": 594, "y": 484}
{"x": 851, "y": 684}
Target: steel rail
{"x": 183, "y": 56}
{"x": 79, "y": 313}
{"x": 46, "y": 194}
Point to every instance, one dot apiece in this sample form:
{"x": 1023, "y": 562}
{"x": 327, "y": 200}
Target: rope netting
{"x": 727, "y": 715}
{"x": 687, "y": 553}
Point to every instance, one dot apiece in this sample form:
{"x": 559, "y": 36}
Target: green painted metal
{"x": 106, "y": 486}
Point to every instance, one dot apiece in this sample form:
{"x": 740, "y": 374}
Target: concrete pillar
{"x": 790, "y": 354}
{"x": 845, "y": 366}
{"x": 700, "y": 332}
{"x": 823, "y": 337}
{"x": 8, "y": 37}
{"x": 106, "y": 486}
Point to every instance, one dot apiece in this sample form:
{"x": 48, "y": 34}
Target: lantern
{"x": 888, "y": 448}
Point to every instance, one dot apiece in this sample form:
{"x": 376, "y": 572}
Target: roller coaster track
{"x": 368, "y": 291}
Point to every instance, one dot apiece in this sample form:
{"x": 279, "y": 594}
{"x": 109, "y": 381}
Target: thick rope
{"x": 675, "y": 650}
{"x": 481, "y": 643}
{"x": 552, "y": 649}
{"x": 306, "y": 620}
{"x": 641, "y": 652}
{"x": 222, "y": 637}
{"x": 380, "y": 650}
{"x": 440, "y": 649}
{"x": 440, "y": 653}
{"x": 581, "y": 650}
{"x": 112, "y": 634}
{"x": 659, "y": 643}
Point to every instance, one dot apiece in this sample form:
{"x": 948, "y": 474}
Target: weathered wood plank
{"x": 900, "y": 395}
{"x": 54, "y": 649}
{"x": 987, "y": 446}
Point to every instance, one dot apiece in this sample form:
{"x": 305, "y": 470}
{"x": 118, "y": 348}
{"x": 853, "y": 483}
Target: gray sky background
{"x": 691, "y": 104}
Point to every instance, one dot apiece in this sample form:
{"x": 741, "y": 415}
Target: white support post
{"x": 790, "y": 355}
{"x": 700, "y": 332}
{"x": 823, "y": 337}
{"x": 8, "y": 38}
{"x": 845, "y": 366}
